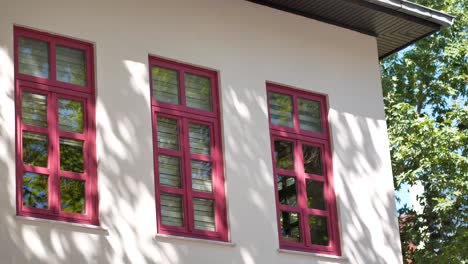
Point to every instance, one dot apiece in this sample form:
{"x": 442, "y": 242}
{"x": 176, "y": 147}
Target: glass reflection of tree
{"x": 71, "y": 65}
{"x": 70, "y": 116}
{"x": 35, "y": 190}
{"x": 165, "y": 85}
{"x": 198, "y": 91}
{"x": 281, "y": 109}
{"x": 290, "y": 226}
{"x": 312, "y": 160}
{"x": 72, "y": 195}
{"x": 319, "y": 230}
{"x": 35, "y": 151}
{"x": 310, "y": 116}
{"x": 71, "y": 155}
{"x": 287, "y": 190}
{"x": 284, "y": 155}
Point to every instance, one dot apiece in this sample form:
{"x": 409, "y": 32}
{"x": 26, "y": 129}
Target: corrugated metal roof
{"x": 395, "y": 23}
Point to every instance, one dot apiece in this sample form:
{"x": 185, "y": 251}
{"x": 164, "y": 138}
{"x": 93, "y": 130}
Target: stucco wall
{"x": 248, "y": 44}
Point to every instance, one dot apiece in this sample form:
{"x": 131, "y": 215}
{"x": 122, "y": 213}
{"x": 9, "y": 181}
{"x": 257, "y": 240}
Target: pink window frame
{"x": 53, "y": 90}
{"x": 184, "y": 114}
{"x": 300, "y": 137}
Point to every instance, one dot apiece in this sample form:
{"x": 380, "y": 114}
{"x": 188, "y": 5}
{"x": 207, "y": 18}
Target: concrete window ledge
{"x": 159, "y": 237}
{"x": 323, "y": 256}
{"x": 99, "y": 230}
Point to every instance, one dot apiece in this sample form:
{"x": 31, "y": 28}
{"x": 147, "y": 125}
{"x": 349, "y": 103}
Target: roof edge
{"x": 413, "y": 9}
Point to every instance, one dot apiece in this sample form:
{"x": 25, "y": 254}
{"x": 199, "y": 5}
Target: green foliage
{"x": 72, "y": 195}
{"x": 35, "y": 190}
{"x": 426, "y": 92}
{"x": 71, "y": 155}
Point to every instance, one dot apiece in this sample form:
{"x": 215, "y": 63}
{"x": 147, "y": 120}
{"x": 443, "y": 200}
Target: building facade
{"x": 190, "y": 132}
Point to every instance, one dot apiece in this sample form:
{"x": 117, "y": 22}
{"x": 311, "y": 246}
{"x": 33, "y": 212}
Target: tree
{"x": 426, "y": 91}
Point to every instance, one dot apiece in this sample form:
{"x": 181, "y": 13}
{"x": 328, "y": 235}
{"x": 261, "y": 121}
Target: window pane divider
{"x": 317, "y": 212}
{"x": 36, "y": 169}
{"x": 170, "y": 152}
{"x": 52, "y": 61}
{"x": 171, "y": 190}
{"x": 34, "y": 129}
{"x": 315, "y": 177}
{"x": 54, "y": 154}
{"x": 203, "y": 195}
{"x": 72, "y": 175}
{"x": 284, "y": 172}
{"x": 201, "y": 157}
{"x": 289, "y": 208}
{"x": 188, "y": 174}
{"x": 182, "y": 92}
{"x": 71, "y": 135}
{"x": 179, "y": 110}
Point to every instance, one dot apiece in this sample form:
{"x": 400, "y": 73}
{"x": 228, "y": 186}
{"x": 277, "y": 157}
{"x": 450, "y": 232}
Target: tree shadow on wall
{"x": 126, "y": 186}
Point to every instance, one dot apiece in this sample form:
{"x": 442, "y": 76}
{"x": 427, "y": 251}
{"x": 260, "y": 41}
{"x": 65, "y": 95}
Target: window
{"x": 56, "y": 161}
{"x": 306, "y": 205}
{"x": 190, "y": 194}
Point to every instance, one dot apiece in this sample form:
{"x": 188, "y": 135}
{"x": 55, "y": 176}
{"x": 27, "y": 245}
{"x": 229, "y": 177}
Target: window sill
{"x": 65, "y": 225}
{"x": 331, "y": 257}
{"x": 214, "y": 242}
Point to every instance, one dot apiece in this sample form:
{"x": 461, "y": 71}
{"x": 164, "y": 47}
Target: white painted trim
{"x": 35, "y": 221}
{"x": 287, "y": 251}
{"x": 214, "y": 242}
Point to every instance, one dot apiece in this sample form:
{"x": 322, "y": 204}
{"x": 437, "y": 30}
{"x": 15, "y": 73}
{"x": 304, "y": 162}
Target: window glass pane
{"x": 204, "y": 214}
{"x": 199, "y": 136}
{"x": 168, "y": 133}
{"x": 33, "y": 57}
{"x": 310, "y": 115}
{"x": 198, "y": 91}
{"x": 281, "y": 109}
{"x": 71, "y": 155}
{"x": 34, "y": 109}
{"x": 165, "y": 85}
{"x": 287, "y": 190}
{"x": 172, "y": 212}
{"x": 35, "y": 149}
{"x": 70, "y": 116}
{"x": 71, "y": 65}
{"x": 201, "y": 176}
{"x": 290, "y": 226}
{"x": 284, "y": 154}
{"x": 169, "y": 171}
{"x": 319, "y": 230}
{"x": 315, "y": 195}
{"x": 72, "y": 195}
{"x": 35, "y": 190}
{"x": 312, "y": 159}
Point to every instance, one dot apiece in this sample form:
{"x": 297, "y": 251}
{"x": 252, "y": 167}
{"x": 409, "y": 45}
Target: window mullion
{"x": 182, "y": 88}
{"x": 54, "y": 157}
{"x": 52, "y": 62}
{"x": 216, "y": 181}
{"x": 295, "y": 114}
{"x": 87, "y": 159}
{"x": 301, "y": 189}
{"x": 186, "y": 172}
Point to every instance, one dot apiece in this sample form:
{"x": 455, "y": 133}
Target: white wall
{"x": 248, "y": 44}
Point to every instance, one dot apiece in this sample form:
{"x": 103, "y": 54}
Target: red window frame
{"x": 54, "y": 89}
{"x": 184, "y": 114}
{"x": 300, "y": 137}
